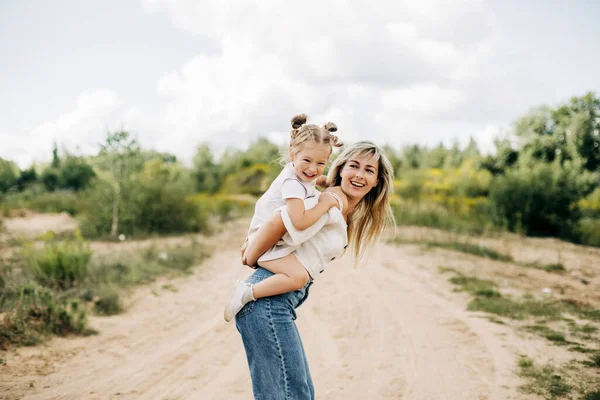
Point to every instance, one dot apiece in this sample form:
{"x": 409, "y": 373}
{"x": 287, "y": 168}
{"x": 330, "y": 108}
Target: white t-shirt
{"x": 322, "y": 242}
{"x": 287, "y": 185}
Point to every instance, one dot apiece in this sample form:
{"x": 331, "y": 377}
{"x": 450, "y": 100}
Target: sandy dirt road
{"x": 391, "y": 329}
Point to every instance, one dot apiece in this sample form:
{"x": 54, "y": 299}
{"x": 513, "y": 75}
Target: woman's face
{"x": 359, "y": 175}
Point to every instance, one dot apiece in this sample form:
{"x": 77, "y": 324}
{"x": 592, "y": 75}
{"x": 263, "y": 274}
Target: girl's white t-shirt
{"x": 287, "y": 185}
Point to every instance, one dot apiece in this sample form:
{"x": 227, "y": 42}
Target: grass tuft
{"x": 595, "y": 395}
{"x": 543, "y": 380}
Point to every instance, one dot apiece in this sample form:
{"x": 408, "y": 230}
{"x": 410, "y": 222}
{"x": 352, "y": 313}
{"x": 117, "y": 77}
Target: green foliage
{"x": 254, "y": 180}
{"x": 8, "y": 174}
{"x": 51, "y": 179}
{"x": 75, "y": 174}
{"x": 473, "y": 249}
{"x": 543, "y": 380}
{"x": 27, "y": 177}
{"x": 107, "y": 300}
{"x": 595, "y": 395}
{"x": 540, "y": 200}
{"x": 158, "y": 199}
{"x": 206, "y": 171}
{"x": 40, "y": 311}
{"x": 37, "y": 199}
{"x": 59, "y": 265}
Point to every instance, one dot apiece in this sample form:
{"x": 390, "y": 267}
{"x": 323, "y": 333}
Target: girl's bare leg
{"x": 267, "y": 236}
{"x": 289, "y": 275}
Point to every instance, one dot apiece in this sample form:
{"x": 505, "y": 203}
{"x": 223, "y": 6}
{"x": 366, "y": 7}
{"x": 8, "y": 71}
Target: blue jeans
{"x": 278, "y": 365}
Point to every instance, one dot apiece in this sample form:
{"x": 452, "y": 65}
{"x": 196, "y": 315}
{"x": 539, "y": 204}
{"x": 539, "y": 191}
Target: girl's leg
{"x": 288, "y": 275}
{"x": 267, "y": 236}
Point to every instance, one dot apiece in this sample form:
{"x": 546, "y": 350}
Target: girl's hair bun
{"x": 330, "y": 126}
{"x": 299, "y": 120}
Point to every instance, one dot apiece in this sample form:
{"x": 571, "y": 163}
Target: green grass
{"x": 595, "y": 395}
{"x": 544, "y": 331}
{"x": 594, "y": 360}
{"x": 484, "y": 252}
{"x": 50, "y": 291}
{"x": 490, "y": 300}
{"x": 542, "y": 380}
{"x": 551, "y": 268}
{"x": 474, "y": 249}
{"x": 581, "y": 349}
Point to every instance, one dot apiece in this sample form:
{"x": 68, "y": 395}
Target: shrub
{"x": 60, "y": 265}
{"x": 40, "y": 311}
{"x": 541, "y": 200}
{"x": 36, "y": 198}
{"x": 157, "y": 200}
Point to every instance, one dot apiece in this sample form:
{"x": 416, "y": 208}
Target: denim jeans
{"x": 278, "y": 365}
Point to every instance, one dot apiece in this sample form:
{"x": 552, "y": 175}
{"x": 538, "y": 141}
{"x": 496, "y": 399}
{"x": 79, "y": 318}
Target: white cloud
{"x": 361, "y": 66}
{"x": 79, "y": 129}
{"x": 404, "y": 72}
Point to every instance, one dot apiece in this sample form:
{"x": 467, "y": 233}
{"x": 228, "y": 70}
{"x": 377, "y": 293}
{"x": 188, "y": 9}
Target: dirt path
{"x": 390, "y": 329}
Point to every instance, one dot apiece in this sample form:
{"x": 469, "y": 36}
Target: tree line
{"x": 542, "y": 180}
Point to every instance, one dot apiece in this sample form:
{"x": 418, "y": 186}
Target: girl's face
{"x": 359, "y": 175}
{"x": 309, "y": 162}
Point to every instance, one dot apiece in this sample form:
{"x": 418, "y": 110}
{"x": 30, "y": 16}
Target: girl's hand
{"x": 321, "y": 181}
{"x": 328, "y": 199}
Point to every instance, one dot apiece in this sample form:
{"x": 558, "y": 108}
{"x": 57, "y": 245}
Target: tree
{"x": 119, "y": 151}
{"x": 205, "y": 170}
{"x": 55, "y": 160}
{"x": 8, "y": 174}
{"x": 27, "y": 177}
{"x": 75, "y": 173}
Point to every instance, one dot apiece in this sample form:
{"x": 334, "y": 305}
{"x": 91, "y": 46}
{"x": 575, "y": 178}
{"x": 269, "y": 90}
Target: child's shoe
{"x": 242, "y": 294}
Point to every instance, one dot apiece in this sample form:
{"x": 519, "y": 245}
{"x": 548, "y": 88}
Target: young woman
{"x": 363, "y": 177}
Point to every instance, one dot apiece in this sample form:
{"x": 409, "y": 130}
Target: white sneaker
{"x": 236, "y": 301}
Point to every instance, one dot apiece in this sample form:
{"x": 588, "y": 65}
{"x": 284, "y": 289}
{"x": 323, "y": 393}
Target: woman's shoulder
{"x": 338, "y": 191}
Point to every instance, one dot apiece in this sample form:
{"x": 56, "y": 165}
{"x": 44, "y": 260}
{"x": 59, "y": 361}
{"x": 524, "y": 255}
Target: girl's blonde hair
{"x": 373, "y": 214}
{"x": 302, "y": 132}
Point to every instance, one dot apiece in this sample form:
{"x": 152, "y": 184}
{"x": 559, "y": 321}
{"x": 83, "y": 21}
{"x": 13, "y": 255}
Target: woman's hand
{"x": 243, "y": 251}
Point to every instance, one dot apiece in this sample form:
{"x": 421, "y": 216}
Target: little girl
{"x": 310, "y": 149}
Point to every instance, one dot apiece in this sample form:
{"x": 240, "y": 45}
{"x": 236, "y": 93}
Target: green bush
{"x": 40, "y": 311}
{"x": 539, "y": 200}
{"x": 589, "y": 231}
{"x": 60, "y": 265}
{"x": 36, "y": 198}
{"x": 158, "y": 200}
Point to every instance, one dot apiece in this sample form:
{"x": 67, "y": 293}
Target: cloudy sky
{"x": 180, "y": 72}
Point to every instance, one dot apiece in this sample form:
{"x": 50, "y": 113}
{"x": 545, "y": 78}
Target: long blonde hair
{"x": 302, "y": 132}
{"x": 373, "y": 213}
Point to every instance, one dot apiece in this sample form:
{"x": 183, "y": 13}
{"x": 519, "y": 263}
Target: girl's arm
{"x": 269, "y": 233}
{"x": 301, "y": 217}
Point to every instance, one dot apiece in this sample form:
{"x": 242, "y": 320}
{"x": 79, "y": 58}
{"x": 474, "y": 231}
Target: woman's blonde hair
{"x": 302, "y": 132}
{"x": 373, "y": 214}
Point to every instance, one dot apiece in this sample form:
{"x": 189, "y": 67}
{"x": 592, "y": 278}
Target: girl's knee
{"x": 300, "y": 279}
